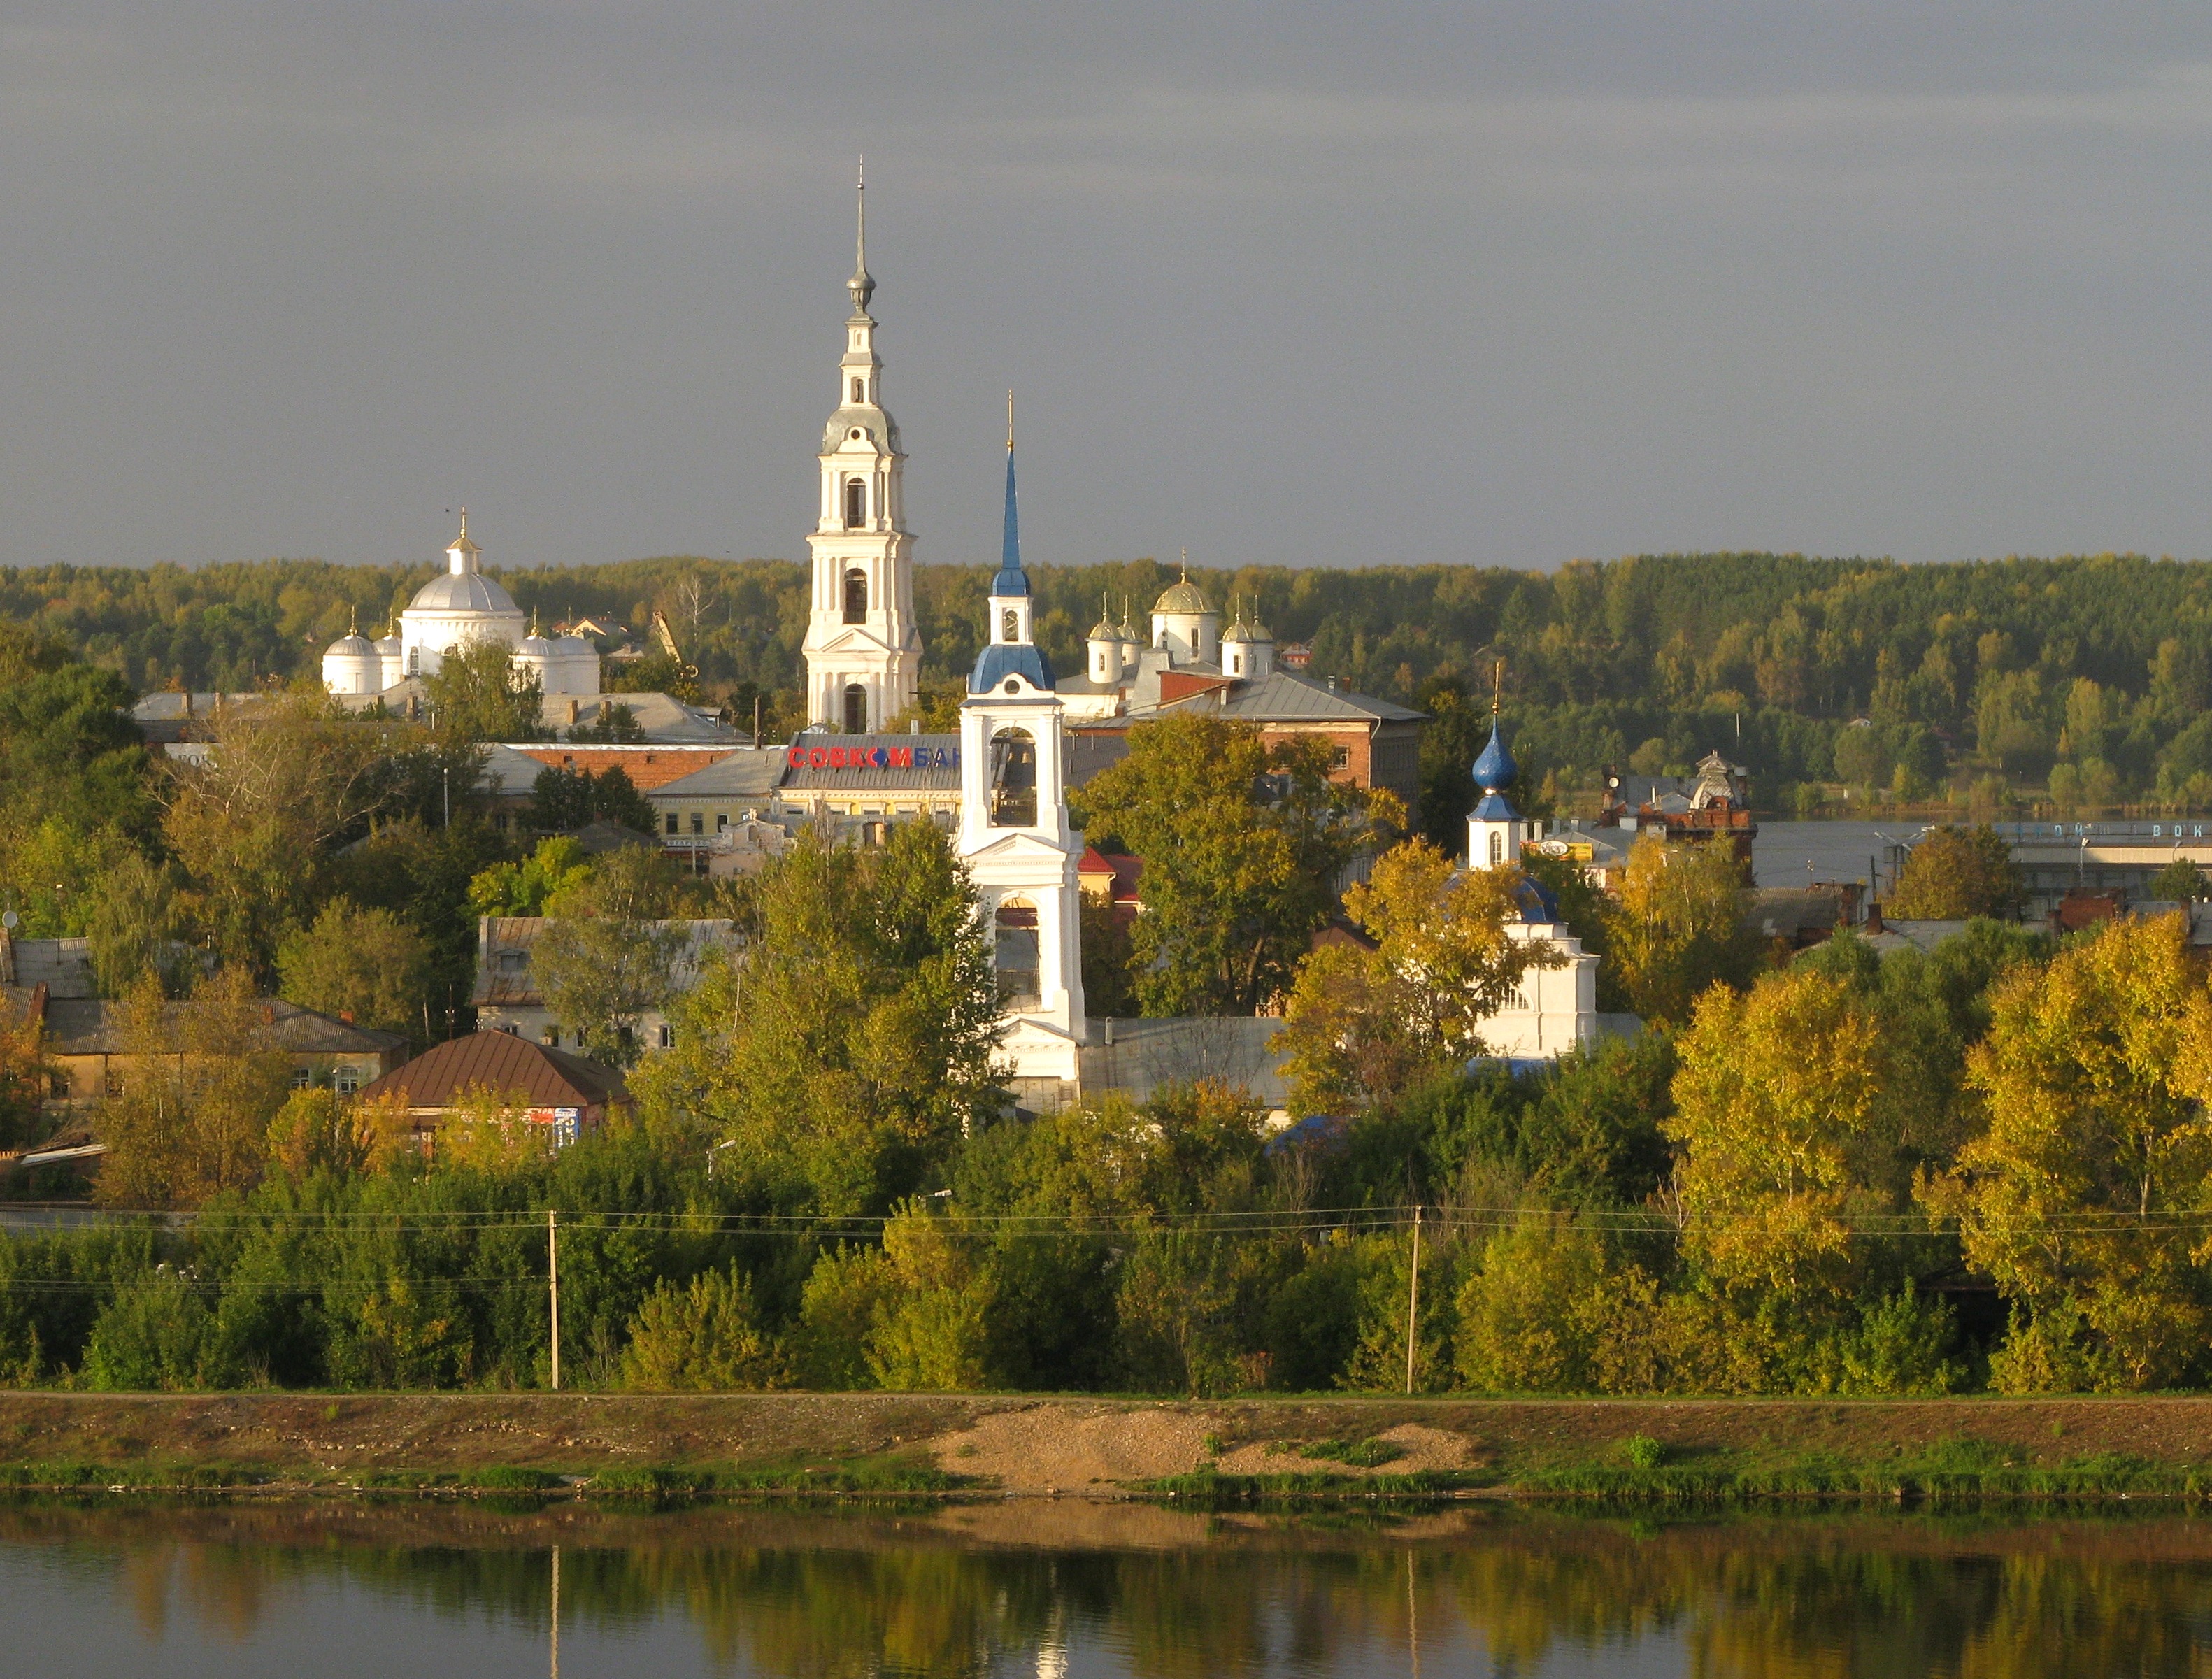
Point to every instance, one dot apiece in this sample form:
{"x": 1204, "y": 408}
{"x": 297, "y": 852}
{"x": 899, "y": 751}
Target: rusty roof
{"x": 506, "y": 1065}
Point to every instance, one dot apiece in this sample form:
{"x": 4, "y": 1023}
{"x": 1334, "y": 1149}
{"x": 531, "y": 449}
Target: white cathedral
{"x": 461, "y": 609}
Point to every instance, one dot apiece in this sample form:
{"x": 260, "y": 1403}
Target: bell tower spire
{"x": 863, "y": 650}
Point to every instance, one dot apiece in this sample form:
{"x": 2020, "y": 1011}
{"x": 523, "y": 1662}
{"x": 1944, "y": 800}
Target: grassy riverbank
{"x": 634, "y": 1444}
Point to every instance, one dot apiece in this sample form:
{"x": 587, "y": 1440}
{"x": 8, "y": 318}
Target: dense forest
{"x": 2080, "y": 682}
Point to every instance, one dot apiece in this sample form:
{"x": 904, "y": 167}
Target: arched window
{"x": 856, "y": 596}
{"x": 1010, "y": 625}
{"x": 1014, "y": 779}
{"x": 414, "y": 662}
{"x": 1497, "y": 848}
{"x": 856, "y": 709}
{"x": 856, "y": 504}
{"x": 860, "y": 391}
{"x": 1014, "y": 952}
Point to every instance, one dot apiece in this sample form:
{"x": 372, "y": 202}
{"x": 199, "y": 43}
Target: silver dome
{"x": 462, "y": 591}
{"x": 350, "y": 646}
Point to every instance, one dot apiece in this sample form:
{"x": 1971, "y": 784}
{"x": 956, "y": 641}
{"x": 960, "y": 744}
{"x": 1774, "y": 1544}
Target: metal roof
{"x": 1284, "y": 698}
{"x": 745, "y": 773}
{"x": 95, "y": 1026}
{"x": 503, "y": 1064}
{"x": 505, "y": 976}
{"x": 872, "y": 763}
{"x": 1146, "y": 1055}
{"x": 63, "y": 966}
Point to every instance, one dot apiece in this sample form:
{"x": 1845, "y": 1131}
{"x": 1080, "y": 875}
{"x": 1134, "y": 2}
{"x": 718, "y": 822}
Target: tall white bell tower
{"x": 1014, "y": 833}
{"x": 863, "y": 649}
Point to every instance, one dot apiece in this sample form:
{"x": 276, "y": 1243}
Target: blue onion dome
{"x": 1495, "y": 769}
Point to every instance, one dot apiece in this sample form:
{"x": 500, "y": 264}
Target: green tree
{"x": 201, "y": 1080}
{"x": 704, "y": 1335}
{"x": 138, "y": 926}
{"x": 1956, "y": 873}
{"x": 364, "y": 965}
{"x": 25, "y": 1074}
{"x": 481, "y": 692}
{"x": 284, "y": 780}
{"x": 932, "y": 1333}
{"x": 562, "y": 799}
{"x": 2179, "y": 882}
{"x": 1242, "y": 847}
{"x": 853, "y": 1038}
{"x": 1676, "y": 928}
{"x": 606, "y": 957}
{"x": 1109, "y": 991}
{"x": 521, "y": 888}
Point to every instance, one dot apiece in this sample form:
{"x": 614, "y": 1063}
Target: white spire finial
{"x": 1010, "y": 422}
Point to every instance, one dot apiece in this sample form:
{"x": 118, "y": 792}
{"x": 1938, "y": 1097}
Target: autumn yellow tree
{"x": 1676, "y": 927}
{"x": 200, "y": 1082}
{"x": 1957, "y": 873}
{"x": 1364, "y": 1025}
{"x": 1774, "y": 1112}
{"x": 2079, "y": 1196}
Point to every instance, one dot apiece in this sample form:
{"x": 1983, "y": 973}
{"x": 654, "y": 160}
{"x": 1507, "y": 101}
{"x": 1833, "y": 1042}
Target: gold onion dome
{"x": 1181, "y": 596}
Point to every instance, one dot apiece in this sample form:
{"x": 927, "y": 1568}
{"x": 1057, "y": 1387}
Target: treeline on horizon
{"x": 2072, "y": 684}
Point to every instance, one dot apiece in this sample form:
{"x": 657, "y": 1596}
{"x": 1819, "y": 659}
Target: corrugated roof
{"x": 1089, "y": 751}
{"x": 745, "y": 773}
{"x": 505, "y": 976}
{"x": 505, "y": 1065}
{"x": 649, "y": 767}
{"x": 94, "y": 1026}
{"x": 508, "y": 773}
{"x": 873, "y": 763}
{"x": 63, "y": 966}
{"x": 1280, "y": 696}
{"x": 1146, "y": 1055}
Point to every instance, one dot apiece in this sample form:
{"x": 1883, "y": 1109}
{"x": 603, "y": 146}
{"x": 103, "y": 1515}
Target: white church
{"x": 461, "y": 609}
{"x": 863, "y": 657}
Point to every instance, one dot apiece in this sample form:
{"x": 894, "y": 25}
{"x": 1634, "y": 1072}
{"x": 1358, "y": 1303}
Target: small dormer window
{"x": 1013, "y": 686}
{"x": 1010, "y": 625}
{"x": 855, "y": 433}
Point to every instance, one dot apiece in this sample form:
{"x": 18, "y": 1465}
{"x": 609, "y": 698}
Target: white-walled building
{"x": 1015, "y": 838}
{"x": 1556, "y": 1009}
{"x": 464, "y": 608}
{"x": 863, "y": 648}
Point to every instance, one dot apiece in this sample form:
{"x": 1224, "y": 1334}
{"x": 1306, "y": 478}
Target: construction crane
{"x": 685, "y": 674}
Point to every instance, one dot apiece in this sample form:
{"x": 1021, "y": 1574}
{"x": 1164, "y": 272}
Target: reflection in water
{"x": 1074, "y": 1589}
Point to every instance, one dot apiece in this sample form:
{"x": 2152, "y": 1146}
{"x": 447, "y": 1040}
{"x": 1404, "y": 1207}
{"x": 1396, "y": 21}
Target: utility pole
{"x": 1414, "y": 1303}
{"x": 553, "y": 1277}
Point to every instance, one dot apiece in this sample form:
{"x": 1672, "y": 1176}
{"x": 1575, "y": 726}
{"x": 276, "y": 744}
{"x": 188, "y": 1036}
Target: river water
{"x": 1072, "y": 1590}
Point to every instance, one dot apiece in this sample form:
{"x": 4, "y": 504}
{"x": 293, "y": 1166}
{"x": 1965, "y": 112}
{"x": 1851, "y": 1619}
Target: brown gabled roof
{"x": 506, "y": 1065}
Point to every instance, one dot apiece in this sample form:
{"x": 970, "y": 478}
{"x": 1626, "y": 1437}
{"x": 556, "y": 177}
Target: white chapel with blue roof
{"x": 1556, "y": 1009}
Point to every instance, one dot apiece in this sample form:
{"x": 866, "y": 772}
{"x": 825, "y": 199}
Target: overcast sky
{"x": 1313, "y": 284}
